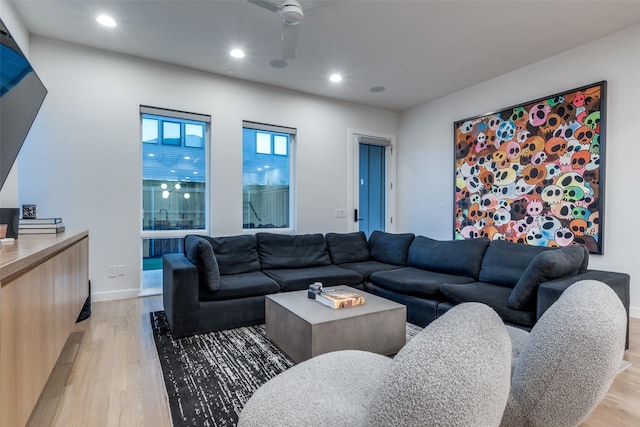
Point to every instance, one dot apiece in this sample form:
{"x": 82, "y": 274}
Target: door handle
{"x": 355, "y": 216}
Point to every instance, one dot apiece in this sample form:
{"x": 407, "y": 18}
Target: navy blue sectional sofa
{"x": 221, "y": 282}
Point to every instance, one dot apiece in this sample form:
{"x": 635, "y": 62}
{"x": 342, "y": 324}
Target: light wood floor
{"x": 109, "y": 375}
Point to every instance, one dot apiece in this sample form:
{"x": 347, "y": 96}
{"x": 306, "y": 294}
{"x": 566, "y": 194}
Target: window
{"x": 280, "y": 145}
{"x": 194, "y": 135}
{"x": 173, "y": 172}
{"x": 174, "y": 183}
{"x": 267, "y": 176}
{"x": 263, "y": 143}
{"x": 149, "y": 130}
{"x": 171, "y": 133}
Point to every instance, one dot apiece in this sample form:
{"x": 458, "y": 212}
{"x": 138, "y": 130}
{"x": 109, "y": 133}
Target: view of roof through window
{"x": 173, "y": 149}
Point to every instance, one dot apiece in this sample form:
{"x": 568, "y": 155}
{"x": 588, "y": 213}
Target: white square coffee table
{"x": 304, "y": 328}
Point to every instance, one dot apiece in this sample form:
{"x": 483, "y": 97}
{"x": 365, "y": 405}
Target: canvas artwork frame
{"x": 533, "y": 173}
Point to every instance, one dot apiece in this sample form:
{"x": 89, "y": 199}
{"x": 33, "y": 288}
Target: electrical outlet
{"x": 121, "y": 270}
{"x": 341, "y": 213}
{"x": 112, "y": 271}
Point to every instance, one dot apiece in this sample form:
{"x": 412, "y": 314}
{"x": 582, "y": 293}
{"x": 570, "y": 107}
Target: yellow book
{"x": 340, "y": 299}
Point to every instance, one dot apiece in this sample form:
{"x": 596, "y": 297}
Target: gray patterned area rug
{"x": 209, "y": 377}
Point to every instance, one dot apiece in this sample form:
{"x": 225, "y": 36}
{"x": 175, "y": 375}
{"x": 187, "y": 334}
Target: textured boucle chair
{"x": 453, "y": 373}
{"x": 563, "y": 368}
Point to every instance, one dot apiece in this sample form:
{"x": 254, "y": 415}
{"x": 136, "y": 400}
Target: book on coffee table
{"x": 339, "y": 299}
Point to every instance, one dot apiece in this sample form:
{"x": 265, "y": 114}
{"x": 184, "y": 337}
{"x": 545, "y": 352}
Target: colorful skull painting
{"x": 531, "y": 173}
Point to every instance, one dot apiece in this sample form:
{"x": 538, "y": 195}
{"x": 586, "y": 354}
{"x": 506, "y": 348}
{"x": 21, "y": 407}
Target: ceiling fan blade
{"x": 266, "y": 4}
{"x": 321, "y": 7}
{"x": 289, "y": 40}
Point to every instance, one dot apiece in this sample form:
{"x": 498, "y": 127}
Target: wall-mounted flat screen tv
{"x": 21, "y": 95}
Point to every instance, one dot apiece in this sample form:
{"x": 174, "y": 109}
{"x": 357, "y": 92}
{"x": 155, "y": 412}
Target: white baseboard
{"x": 150, "y": 292}
{"x": 114, "y": 295}
{"x": 634, "y": 312}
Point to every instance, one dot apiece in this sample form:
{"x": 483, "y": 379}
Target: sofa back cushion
{"x": 390, "y": 248}
{"x": 347, "y": 247}
{"x": 292, "y": 251}
{"x": 459, "y": 257}
{"x": 198, "y": 250}
{"x": 236, "y": 254}
{"x": 504, "y": 262}
{"x": 547, "y": 265}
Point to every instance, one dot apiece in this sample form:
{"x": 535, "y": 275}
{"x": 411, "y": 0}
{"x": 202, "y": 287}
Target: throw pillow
{"x": 547, "y": 265}
{"x": 199, "y": 251}
{"x": 347, "y": 247}
{"x": 390, "y": 248}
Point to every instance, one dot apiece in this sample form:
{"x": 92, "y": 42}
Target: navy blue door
{"x": 372, "y": 188}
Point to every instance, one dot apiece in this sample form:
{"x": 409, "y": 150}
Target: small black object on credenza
{"x": 11, "y": 217}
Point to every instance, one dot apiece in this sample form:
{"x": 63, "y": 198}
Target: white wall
{"x": 9, "y": 191}
{"x": 425, "y": 154}
{"x": 82, "y": 160}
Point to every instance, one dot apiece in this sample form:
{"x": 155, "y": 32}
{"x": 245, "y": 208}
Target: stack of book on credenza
{"x": 41, "y": 226}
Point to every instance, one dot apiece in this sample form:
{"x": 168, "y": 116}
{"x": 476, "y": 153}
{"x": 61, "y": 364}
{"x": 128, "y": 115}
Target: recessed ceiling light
{"x": 106, "y": 20}
{"x": 237, "y": 53}
{"x": 278, "y": 63}
{"x": 335, "y": 78}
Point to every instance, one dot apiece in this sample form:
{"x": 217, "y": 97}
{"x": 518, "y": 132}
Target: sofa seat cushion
{"x": 367, "y": 268}
{"x": 390, "y": 248}
{"x": 241, "y": 285}
{"x": 295, "y": 279}
{"x": 292, "y": 251}
{"x": 547, "y": 265}
{"x": 460, "y": 257}
{"x": 504, "y": 262}
{"x": 236, "y": 254}
{"x": 347, "y": 247}
{"x": 494, "y": 296}
{"x": 415, "y": 282}
{"x": 198, "y": 250}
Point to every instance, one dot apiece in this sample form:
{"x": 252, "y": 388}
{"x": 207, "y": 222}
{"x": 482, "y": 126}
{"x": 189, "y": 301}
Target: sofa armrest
{"x": 549, "y": 292}
{"x": 181, "y": 293}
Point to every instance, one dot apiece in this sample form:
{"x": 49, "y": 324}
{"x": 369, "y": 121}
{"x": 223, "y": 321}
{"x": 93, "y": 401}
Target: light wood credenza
{"x": 44, "y": 283}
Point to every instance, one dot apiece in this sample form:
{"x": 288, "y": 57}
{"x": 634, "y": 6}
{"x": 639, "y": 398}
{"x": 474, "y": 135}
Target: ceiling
{"x": 417, "y": 50}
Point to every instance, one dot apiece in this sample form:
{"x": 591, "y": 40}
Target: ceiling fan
{"x": 291, "y": 15}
